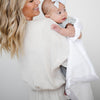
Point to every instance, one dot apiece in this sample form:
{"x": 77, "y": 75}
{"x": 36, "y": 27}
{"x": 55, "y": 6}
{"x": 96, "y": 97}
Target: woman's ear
{"x": 47, "y": 16}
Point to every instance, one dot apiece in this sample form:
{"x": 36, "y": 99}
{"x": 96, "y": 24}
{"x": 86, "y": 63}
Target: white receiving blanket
{"x": 79, "y": 69}
{"x": 79, "y": 66}
{"x": 44, "y": 51}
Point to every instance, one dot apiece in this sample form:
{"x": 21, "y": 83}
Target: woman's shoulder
{"x": 43, "y": 21}
{"x": 39, "y": 24}
{"x": 47, "y": 21}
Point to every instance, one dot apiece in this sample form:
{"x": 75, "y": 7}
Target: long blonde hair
{"x": 12, "y": 25}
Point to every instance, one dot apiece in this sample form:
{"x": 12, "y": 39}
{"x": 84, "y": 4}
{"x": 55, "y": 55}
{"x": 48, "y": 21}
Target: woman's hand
{"x": 69, "y": 31}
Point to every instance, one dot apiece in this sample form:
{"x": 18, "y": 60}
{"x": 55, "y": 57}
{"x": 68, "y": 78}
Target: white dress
{"x": 44, "y": 51}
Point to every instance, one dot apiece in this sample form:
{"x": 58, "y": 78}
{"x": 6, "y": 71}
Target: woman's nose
{"x": 37, "y": 1}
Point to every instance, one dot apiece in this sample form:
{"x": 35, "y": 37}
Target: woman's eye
{"x": 31, "y": 0}
{"x": 59, "y": 12}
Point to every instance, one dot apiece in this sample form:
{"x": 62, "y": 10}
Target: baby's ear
{"x": 47, "y": 16}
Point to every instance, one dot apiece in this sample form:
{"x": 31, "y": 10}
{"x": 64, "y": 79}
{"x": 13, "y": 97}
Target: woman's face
{"x": 31, "y": 9}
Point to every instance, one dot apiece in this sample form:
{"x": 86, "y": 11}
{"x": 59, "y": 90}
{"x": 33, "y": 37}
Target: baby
{"x": 57, "y": 12}
{"x": 78, "y": 61}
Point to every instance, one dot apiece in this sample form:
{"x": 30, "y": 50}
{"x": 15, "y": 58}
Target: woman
{"x": 41, "y": 50}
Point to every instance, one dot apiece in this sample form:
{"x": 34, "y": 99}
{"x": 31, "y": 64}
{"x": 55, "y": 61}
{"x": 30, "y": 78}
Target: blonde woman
{"x": 40, "y": 50}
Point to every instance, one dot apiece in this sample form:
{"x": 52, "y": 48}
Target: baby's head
{"x": 58, "y": 15}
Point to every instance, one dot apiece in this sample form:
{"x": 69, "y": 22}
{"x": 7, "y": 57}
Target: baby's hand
{"x": 69, "y": 31}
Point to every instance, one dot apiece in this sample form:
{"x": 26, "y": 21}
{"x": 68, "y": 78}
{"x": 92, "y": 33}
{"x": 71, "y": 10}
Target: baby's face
{"x": 59, "y": 15}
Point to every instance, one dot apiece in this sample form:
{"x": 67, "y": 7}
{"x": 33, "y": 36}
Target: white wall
{"x": 88, "y": 11}
{"x": 11, "y": 85}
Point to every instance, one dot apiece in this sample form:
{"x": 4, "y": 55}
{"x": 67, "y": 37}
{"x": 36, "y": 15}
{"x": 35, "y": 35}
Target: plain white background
{"x": 88, "y": 11}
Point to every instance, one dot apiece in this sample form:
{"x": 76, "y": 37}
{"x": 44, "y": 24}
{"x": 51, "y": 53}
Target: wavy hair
{"x": 12, "y": 26}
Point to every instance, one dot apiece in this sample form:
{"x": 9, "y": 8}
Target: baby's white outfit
{"x": 79, "y": 67}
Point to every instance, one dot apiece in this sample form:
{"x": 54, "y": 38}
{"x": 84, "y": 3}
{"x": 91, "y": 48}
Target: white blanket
{"x": 79, "y": 67}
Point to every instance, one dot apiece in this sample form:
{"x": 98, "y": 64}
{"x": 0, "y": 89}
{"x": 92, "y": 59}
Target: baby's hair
{"x": 46, "y": 6}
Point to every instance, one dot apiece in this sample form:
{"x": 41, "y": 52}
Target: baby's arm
{"x": 68, "y": 32}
